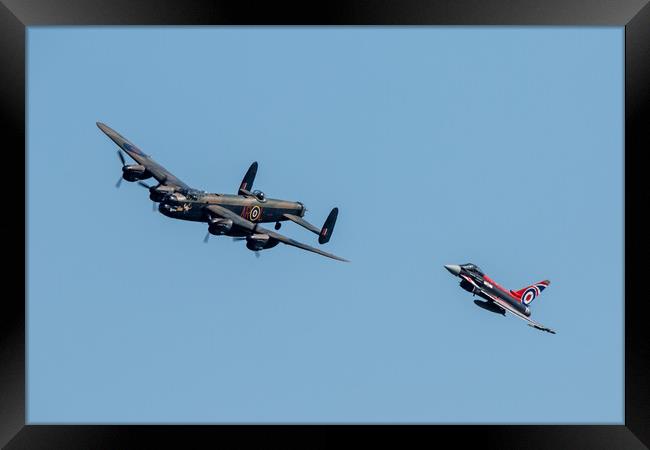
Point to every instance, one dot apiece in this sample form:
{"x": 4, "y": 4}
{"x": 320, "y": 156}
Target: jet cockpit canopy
{"x": 473, "y": 268}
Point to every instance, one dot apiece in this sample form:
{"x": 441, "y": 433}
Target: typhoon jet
{"x": 497, "y": 298}
{"x": 238, "y": 216}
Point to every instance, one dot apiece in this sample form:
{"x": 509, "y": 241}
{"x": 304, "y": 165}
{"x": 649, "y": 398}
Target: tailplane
{"x": 325, "y": 233}
{"x": 529, "y": 293}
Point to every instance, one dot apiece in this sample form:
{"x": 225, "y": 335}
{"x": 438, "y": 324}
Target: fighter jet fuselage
{"x": 497, "y": 298}
{"x": 475, "y": 281}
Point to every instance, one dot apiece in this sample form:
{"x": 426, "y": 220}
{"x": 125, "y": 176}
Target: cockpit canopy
{"x": 176, "y": 197}
{"x": 259, "y": 195}
{"x": 193, "y": 194}
{"x": 472, "y": 268}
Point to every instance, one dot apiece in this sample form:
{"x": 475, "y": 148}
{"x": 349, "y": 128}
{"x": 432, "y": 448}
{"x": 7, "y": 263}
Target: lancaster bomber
{"x": 498, "y": 299}
{"x": 237, "y": 216}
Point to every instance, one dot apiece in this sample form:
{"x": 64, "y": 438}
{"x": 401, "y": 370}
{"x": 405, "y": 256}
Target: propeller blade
{"x": 257, "y": 254}
{"x": 238, "y": 239}
{"x": 119, "y": 181}
{"x": 155, "y": 206}
{"x": 207, "y": 236}
{"x": 119, "y": 153}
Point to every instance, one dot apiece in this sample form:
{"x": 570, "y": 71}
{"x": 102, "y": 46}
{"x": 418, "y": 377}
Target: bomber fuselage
{"x": 190, "y": 206}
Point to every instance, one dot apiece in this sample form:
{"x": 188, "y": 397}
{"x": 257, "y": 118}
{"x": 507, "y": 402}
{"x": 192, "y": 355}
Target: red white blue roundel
{"x": 529, "y": 295}
{"x": 531, "y": 292}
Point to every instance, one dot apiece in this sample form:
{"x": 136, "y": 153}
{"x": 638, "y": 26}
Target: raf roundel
{"x": 255, "y": 213}
{"x": 529, "y": 295}
{"x": 133, "y": 148}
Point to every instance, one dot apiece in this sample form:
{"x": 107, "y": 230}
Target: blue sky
{"x": 497, "y": 146}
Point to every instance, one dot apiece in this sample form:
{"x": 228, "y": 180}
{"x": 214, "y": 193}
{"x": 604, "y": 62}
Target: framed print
{"x": 354, "y": 151}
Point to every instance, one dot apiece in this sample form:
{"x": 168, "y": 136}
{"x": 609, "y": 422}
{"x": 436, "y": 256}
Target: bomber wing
{"x": 289, "y": 241}
{"x": 224, "y": 213}
{"x": 162, "y": 175}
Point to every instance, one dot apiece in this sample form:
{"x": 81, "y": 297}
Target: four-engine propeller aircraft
{"x": 498, "y": 299}
{"x": 238, "y": 215}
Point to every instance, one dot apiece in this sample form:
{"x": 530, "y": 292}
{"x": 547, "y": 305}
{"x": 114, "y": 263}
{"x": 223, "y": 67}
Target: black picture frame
{"x": 634, "y": 15}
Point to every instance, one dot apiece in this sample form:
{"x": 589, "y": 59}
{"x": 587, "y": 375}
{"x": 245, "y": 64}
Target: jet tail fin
{"x": 247, "y": 183}
{"x": 529, "y": 293}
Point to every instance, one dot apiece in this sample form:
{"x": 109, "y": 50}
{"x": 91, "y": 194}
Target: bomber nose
{"x": 454, "y": 269}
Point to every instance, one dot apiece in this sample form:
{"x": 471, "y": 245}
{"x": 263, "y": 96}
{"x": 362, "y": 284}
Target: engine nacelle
{"x": 260, "y": 241}
{"x": 219, "y": 226}
{"x": 135, "y": 172}
{"x": 469, "y": 287}
{"x": 158, "y": 194}
{"x": 489, "y": 306}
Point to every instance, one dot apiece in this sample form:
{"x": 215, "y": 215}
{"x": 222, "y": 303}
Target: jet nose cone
{"x": 453, "y": 269}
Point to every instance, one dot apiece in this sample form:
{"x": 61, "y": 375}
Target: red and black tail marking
{"x": 328, "y": 227}
{"x": 247, "y": 183}
{"x": 529, "y": 293}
